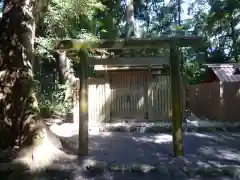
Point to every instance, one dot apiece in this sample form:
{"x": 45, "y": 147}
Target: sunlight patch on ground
{"x": 43, "y": 156}
{"x": 65, "y": 130}
{"x": 104, "y": 134}
{"x": 228, "y": 155}
{"x": 203, "y": 164}
{"x": 201, "y": 135}
{"x": 159, "y": 139}
{"x": 225, "y": 136}
{"x": 71, "y": 129}
{"x": 235, "y": 135}
{"x": 219, "y": 152}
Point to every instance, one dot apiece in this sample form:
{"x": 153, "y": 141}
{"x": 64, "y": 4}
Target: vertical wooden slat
{"x": 100, "y": 92}
{"x": 146, "y": 101}
{"x": 121, "y": 101}
{"x": 159, "y": 109}
{"x": 113, "y": 102}
{"x": 168, "y": 89}
{"x": 153, "y": 99}
{"x": 112, "y": 105}
{"x": 135, "y": 99}
{"x": 149, "y": 98}
{"x": 108, "y": 97}
{"x": 162, "y": 96}
{"x": 168, "y": 97}
{"x": 95, "y": 106}
{"x": 105, "y": 102}
{"x": 156, "y": 105}
{"x": 89, "y": 100}
{"x": 117, "y": 100}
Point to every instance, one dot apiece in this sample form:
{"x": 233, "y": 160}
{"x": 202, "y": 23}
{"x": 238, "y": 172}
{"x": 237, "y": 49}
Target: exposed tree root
{"x": 19, "y": 123}
{"x": 45, "y": 149}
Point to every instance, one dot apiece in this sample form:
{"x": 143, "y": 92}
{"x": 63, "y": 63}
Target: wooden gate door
{"x": 129, "y": 96}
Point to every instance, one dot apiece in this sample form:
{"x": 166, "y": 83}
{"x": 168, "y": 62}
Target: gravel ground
{"x": 145, "y": 156}
{"x": 127, "y": 155}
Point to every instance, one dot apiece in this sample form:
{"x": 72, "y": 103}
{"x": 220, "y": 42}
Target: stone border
{"x": 98, "y": 168}
{"x": 167, "y": 127}
{"x": 211, "y": 172}
{"x": 169, "y": 171}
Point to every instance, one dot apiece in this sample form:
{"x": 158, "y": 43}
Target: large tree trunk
{"x": 67, "y": 77}
{"x": 66, "y": 72}
{"x": 19, "y": 122}
{"x": 17, "y": 28}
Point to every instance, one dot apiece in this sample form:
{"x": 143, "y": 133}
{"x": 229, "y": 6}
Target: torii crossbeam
{"x": 131, "y": 43}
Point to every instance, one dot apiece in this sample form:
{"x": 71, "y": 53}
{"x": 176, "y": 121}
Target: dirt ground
{"x": 126, "y": 150}
{"x": 140, "y": 156}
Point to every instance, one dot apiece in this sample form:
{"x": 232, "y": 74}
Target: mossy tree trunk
{"x": 67, "y": 78}
{"x": 66, "y": 73}
{"x": 17, "y": 101}
{"x": 19, "y": 122}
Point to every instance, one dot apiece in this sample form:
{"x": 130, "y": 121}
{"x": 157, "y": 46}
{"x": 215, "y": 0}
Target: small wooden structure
{"x": 136, "y": 92}
{"x": 127, "y": 94}
{"x": 164, "y": 42}
{"x": 217, "y": 96}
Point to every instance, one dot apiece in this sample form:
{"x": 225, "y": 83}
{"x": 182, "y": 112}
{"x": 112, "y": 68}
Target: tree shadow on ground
{"x": 202, "y": 150}
{"x": 124, "y": 150}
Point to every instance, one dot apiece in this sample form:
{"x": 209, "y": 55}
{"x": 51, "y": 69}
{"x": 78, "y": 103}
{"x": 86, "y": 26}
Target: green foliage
{"x": 43, "y": 48}
{"x": 193, "y": 73}
{"x": 217, "y": 20}
{"x": 63, "y": 19}
{"x": 53, "y": 102}
{"x": 66, "y": 18}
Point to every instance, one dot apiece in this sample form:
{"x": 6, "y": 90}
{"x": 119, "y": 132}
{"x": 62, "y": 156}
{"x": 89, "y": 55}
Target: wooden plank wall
{"x": 204, "y": 100}
{"x": 160, "y": 98}
{"x": 108, "y": 103}
{"x": 219, "y": 101}
{"x": 230, "y": 101}
{"x": 99, "y": 94}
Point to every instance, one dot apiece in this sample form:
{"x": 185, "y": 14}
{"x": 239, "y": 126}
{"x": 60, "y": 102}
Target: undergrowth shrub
{"x": 53, "y": 102}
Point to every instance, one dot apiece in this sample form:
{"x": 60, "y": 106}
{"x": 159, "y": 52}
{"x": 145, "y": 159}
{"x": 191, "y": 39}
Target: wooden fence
{"x": 107, "y": 103}
{"x": 216, "y": 100}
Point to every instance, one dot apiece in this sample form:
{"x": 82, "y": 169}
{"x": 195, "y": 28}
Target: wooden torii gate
{"x": 173, "y": 43}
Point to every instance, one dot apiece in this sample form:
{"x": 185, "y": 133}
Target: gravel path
{"x": 123, "y": 152}
{"x": 146, "y": 156}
